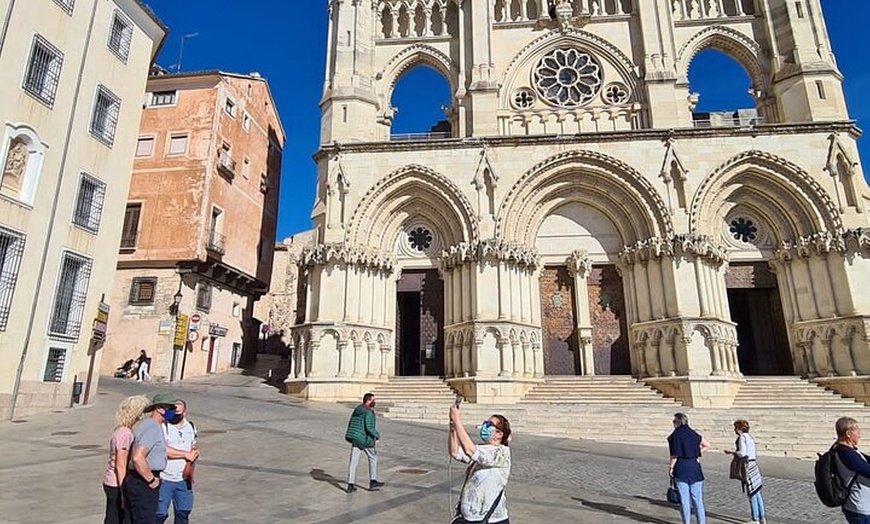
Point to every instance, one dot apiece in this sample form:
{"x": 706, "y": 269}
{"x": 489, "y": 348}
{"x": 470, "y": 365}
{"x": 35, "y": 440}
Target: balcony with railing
{"x": 216, "y": 242}
{"x": 692, "y": 10}
{"x": 738, "y": 118}
{"x": 226, "y": 165}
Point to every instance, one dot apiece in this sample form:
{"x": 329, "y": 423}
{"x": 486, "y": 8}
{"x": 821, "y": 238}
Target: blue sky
{"x": 285, "y": 41}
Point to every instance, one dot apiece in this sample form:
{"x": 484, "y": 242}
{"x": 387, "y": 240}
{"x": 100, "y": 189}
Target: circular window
{"x": 420, "y": 239}
{"x": 568, "y": 77}
{"x": 523, "y": 98}
{"x": 615, "y": 93}
{"x": 743, "y": 229}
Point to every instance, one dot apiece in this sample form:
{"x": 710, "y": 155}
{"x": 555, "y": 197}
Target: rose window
{"x": 743, "y": 229}
{"x": 420, "y": 239}
{"x": 524, "y": 98}
{"x": 568, "y": 77}
{"x": 615, "y": 94}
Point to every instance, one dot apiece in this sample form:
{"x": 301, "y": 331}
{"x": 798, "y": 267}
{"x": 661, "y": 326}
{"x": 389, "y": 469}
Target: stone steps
{"x": 789, "y": 416}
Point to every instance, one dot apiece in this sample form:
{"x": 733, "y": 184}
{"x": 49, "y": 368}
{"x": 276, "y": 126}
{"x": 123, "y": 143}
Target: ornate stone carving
{"x": 364, "y": 256}
{"x": 489, "y": 249}
{"x": 579, "y": 264}
{"x": 820, "y": 244}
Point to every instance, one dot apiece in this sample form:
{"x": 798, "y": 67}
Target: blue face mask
{"x": 168, "y": 414}
{"x": 485, "y": 431}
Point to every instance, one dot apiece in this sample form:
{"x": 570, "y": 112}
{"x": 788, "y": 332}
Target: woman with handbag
{"x": 684, "y": 467}
{"x": 482, "y": 499}
{"x": 744, "y": 467}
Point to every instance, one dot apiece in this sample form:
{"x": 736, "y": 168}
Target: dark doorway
{"x": 420, "y": 324}
{"x": 609, "y": 327}
{"x": 753, "y": 299}
{"x": 558, "y": 322}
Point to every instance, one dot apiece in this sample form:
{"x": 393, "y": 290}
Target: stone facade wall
{"x": 558, "y": 322}
{"x": 609, "y": 327}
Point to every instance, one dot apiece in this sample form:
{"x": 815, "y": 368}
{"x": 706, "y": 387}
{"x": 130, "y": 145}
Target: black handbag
{"x": 738, "y": 468}
{"x": 673, "y": 495}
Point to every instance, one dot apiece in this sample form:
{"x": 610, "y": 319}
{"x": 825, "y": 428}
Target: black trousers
{"x": 115, "y": 512}
{"x": 141, "y": 500}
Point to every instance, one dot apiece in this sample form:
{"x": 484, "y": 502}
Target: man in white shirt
{"x": 176, "y": 480}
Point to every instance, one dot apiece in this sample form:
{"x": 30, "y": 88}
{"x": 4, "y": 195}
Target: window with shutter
{"x": 130, "y": 231}
{"x": 143, "y": 291}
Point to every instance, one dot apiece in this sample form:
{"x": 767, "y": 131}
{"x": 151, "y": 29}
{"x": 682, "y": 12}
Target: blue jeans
{"x": 856, "y": 518}
{"x": 181, "y": 498}
{"x": 756, "y": 506}
{"x": 692, "y": 495}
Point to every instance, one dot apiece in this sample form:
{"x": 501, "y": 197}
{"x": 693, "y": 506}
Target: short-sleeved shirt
{"x": 149, "y": 435}
{"x": 685, "y": 444}
{"x": 181, "y": 437}
{"x": 487, "y": 476}
{"x": 121, "y": 440}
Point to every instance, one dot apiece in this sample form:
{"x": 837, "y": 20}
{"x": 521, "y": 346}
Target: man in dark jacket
{"x": 362, "y": 435}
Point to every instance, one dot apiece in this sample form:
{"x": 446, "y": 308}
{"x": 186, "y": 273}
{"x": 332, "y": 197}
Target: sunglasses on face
{"x": 488, "y": 424}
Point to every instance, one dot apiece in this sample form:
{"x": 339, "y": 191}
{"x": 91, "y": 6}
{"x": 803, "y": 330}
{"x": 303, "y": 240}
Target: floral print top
{"x": 487, "y": 475}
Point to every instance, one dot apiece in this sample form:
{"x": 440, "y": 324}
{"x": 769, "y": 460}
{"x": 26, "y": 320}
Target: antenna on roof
{"x": 181, "y": 50}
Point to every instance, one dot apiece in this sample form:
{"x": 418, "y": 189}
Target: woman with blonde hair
{"x": 128, "y": 414}
{"x": 751, "y": 476}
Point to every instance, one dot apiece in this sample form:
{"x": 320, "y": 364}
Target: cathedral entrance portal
{"x": 420, "y": 324}
{"x": 753, "y": 298}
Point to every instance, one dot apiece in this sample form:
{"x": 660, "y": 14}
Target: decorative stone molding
{"x": 820, "y": 244}
{"x": 492, "y": 249}
{"x": 661, "y": 347}
{"x": 700, "y": 246}
{"x": 832, "y": 347}
{"x": 342, "y": 254}
{"x": 740, "y": 46}
{"x": 579, "y": 264}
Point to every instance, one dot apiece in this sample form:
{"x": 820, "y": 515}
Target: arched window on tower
{"x": 720, "y": 91}
{"x": 422, "y": 104}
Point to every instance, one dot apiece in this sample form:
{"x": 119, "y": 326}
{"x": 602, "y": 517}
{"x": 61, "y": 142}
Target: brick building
{"x": 199, "y": 229}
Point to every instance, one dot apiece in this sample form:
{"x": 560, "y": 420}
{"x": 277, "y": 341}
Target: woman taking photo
{"x": 745, "y": 450}
{"x": 489, "y": 466}
{"x": 129, "y": 412}
{"x": 686, "y": 446}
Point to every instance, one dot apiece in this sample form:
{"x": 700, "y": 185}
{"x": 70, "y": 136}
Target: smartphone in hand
{"x": 457, "y": 400}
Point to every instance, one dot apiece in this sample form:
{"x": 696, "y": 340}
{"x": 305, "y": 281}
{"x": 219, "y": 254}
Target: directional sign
{"x": 181, "y": 330}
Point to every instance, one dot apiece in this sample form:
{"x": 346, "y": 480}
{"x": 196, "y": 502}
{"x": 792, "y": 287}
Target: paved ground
{"x": 268, "y": 458}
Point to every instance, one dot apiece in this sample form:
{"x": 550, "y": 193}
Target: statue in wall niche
{"x": 16, "y": 165}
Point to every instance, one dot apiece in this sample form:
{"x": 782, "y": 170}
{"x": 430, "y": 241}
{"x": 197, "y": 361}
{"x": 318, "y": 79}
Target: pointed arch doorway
{"x": 420, "y": 323}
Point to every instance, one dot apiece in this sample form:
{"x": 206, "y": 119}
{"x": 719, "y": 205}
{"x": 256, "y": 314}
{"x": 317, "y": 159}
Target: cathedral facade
{"x": 574, "y": 216}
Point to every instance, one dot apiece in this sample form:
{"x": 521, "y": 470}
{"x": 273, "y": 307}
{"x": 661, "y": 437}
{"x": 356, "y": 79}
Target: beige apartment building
{"x": 199, "y": 227}
{"x": 75, "y": 72}
{"x": 576, "y": 216}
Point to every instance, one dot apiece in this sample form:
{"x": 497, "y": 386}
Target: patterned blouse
{"x": 487, "y": 475}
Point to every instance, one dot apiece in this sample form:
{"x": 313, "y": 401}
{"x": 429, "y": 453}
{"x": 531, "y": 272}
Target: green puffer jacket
{"x": 361, "y": 431}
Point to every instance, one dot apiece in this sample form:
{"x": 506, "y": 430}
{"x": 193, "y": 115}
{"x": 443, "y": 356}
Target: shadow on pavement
{"x": 322, "y": 476}
{"x": 621, "y": 511}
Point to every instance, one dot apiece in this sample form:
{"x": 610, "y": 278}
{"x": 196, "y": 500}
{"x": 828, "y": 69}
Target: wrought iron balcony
{"x": 226, "y": 165}
{"x": 216, "y": 242}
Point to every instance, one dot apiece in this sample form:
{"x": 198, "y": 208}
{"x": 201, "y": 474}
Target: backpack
{"x": 830, "y": 488}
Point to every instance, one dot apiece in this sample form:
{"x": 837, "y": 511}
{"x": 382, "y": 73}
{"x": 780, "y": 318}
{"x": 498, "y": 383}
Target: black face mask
{"x": 176, "y": 419}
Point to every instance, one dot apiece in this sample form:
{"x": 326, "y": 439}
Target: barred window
{"x": 130, "y": 231}
{"x": 203, "y": 297}
{"x": 105, "y": 117}
{"x": 89, "y": 203}
{"x": 11, "y": 249}
{"x": 55, "y": 365}
{"x": 163, "y": 98}
{"x": 120, "y": 36}
{"x": 143, "y": 291}
{"x": 43, "y": 71}
{"x": 66, "y": 5}
{"x": 70, "y": 296}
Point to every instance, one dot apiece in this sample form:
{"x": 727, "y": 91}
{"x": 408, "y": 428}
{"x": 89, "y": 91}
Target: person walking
{"x": 148, "y": 459}
{"x": 686, "y": 447}
{"x": 362, "y": 434}
{"x": 857, "y": 506}
{"x": 482, "y": 498}
{"x": 129, "y": 412}
{"x": 176, "y": 481}
{"x": 144, "y": 362}
{"x": 745, "y": 451}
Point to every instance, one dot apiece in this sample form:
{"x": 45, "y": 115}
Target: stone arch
{"x": 735, "y": 44}
{"x": 407, "y": 59}
{"x": 792, "y": 202}
{"x": 413, "y": 191}
{"x": 600, "y": 181}
{"x": 600, "y": 48}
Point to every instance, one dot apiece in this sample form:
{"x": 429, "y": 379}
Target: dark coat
{"x": 361, "y": 430}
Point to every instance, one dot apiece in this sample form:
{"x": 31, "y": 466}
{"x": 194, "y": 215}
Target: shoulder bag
{"x": 673, "y": 495}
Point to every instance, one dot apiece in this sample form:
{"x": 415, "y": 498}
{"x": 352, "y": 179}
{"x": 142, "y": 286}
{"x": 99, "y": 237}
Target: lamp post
{"x": 176, "y": 305}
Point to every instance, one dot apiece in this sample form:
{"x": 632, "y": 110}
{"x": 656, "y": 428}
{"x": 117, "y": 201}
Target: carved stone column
{"x": 579, "y": 267}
